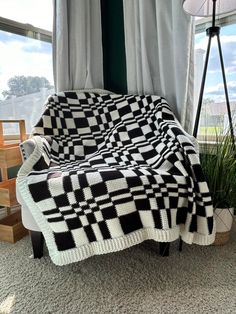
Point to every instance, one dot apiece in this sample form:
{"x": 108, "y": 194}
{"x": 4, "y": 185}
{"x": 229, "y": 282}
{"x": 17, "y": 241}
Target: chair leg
{"x": 164, "y": 248}
{"x": 37, "y": 240}
{"x": 180, "y": 245}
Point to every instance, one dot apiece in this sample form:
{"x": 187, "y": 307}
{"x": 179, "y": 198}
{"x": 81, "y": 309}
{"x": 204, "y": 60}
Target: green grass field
{"x": 210, "y": 130}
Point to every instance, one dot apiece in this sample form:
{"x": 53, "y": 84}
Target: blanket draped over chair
{"x": 109, "y": 171}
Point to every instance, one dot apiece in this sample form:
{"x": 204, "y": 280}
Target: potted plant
{"x": 218, "y": 161}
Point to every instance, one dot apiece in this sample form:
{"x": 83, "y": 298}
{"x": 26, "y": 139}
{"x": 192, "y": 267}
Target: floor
{"x": 136, "y": 280}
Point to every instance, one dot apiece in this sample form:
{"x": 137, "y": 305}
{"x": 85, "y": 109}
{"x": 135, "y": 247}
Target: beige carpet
{"x": 137, "y": 280}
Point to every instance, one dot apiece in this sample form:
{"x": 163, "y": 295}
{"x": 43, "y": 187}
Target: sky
{"x": 34, "y": 12}
{"x": 21, "y": 55}
{"x": 214, "y": 83}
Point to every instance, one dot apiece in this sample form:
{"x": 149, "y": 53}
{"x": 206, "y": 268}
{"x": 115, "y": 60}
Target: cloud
{"x": 29, "y": 58}
{"x": 41, "y": 47}
{"x": 228, "y": 43}
{"x": 217, "y": 92}
{"x": 230, "y": 70}
{"x": 231, "y": 85}
{"x": 7, "y": 37}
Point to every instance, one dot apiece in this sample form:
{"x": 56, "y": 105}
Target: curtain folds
{"x": 77, "y": 44}
{"x": 156, "y": 55}
{"x": 159, "y": 53}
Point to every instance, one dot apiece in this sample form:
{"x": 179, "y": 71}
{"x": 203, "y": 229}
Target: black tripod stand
{"x": 211, "y": 32}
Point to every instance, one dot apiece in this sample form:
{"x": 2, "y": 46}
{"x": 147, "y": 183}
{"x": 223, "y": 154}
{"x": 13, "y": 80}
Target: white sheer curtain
{"x": 159, "y": 52}
{"x": 77, "y": 44}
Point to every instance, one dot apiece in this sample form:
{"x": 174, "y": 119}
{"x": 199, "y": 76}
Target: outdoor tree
{"x": 24, "y": 85}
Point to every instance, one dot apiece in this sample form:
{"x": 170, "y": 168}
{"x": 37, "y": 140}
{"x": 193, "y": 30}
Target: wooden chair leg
{"x": 164, "y": 248}
{"x": 37, "y": 240}
{"x": 180, "y": 244}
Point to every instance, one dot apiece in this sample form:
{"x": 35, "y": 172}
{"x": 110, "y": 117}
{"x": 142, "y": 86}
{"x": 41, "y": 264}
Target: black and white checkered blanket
{"x": 110, "y": 171}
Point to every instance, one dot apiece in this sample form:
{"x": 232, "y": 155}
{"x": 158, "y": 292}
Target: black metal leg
{"x": 164, "y": 248}
{"x": 180, "y": 244}
{"x": 211, "y": 32}
{"x": 37, "y": 240}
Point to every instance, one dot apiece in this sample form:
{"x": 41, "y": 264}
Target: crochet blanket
{"x": 106, "y": 172}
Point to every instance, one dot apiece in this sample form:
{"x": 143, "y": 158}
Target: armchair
{"x": 103, "y": 172}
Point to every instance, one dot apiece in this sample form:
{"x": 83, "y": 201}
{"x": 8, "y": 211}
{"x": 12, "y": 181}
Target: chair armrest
{"x": 36, "y": 152}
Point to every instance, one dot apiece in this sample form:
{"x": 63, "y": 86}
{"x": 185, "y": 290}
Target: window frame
{"x": 200, "y": 26}
{"x": 27, "y": 30}
{"x": 222, "y": 20}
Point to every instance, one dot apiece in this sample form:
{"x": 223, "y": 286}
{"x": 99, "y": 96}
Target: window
{"x": 26, "y": 76}
{"x": 214, "y": 117}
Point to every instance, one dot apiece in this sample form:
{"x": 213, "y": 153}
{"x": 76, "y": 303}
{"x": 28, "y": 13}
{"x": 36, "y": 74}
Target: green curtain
{"x": 113, "y": 41}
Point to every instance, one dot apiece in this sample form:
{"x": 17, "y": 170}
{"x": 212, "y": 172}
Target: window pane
{"x": 214, "y": 117}
{"x": 35, "y": 12}
{"x": 25, "y": 78}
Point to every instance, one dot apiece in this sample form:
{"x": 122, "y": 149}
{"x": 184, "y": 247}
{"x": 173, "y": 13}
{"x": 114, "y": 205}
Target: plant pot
{"x": 223, "y": 219}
